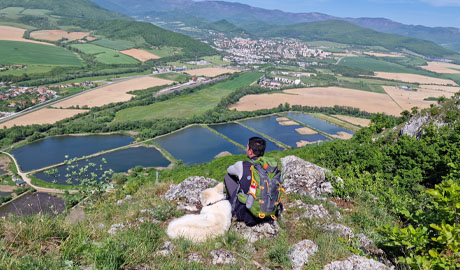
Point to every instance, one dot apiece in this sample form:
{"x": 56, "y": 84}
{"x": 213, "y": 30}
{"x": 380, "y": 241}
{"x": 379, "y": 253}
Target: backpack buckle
{"x": 261, "y": 215}
{"x": 273, "y": 217}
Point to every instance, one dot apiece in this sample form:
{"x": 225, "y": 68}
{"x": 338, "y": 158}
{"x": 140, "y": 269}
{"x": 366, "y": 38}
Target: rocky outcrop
{"x": 357, "y": 263}
{"x": 341, "y": 230}
{"x": 299, "y": 253}
{"x": 316, "y": 211}
{"x": 166, "y": 250}
{"x": 255, "y": 233}
{"x": 222, "y": 256}
{"x": 413, "y": 126}
{"x": 304, "y": 178}
{"x": 187, "y": 193}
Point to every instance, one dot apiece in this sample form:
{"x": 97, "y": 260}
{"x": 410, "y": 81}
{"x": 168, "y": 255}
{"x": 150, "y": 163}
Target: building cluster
{"x": 261, "y": 51}
{"x": 20, "y": 96}
{"x": 68, "y": 85}
{"x": 166, "y": 69}
{"x": 279, "y": 82}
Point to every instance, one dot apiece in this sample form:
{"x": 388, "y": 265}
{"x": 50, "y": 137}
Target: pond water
{"x": 196, "y": 144}
{"x": 285, "y": 134}
{"x": 240, "y": 134}
{"x": 32, "y": 204}
{"x": 118, "y": 161}
{"x": 317, "y": 123}
{"x": 4, "y": 194}
{"x": 2, "y": 172}
{"x": 53, "y": 150}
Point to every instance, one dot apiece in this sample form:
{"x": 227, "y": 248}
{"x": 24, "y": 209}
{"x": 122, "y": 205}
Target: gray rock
{"x": 304, "y": 178}
{"x": 357, "y": 263}
{"x": 222, "y": 256}
{"x": 364, "y": 241}
{"x": 312, "y": 210}
{"x": 76, "y": 215}
{"x": 413, "y": 126}
{"x": 187, "y": 193}
{"x": 342, "y": 230}
{"x": 166, "y": 250}
{"x": 257, "y": 232}
{"x": 115, "y": 227}
{"x": 194, "y": 257}
{"x": 301, "y": 252}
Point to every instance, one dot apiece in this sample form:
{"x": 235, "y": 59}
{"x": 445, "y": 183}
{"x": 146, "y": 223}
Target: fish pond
{"x": 32, "y": 204}
{"x": 316, "y": 123}
{"x": 196, "y": 144}
{"x": 285, "y": 134}
{"x": 4, "y": 194}
{"x": 54, "y": 150}
{"x": 240, "y": 134}
{"x": 117, "y": 161}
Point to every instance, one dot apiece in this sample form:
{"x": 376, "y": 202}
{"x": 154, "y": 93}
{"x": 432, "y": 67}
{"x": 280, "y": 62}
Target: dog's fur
{"x": 213, "y": 220}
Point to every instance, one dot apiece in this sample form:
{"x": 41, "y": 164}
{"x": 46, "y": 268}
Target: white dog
{"x": 214, "y": 219}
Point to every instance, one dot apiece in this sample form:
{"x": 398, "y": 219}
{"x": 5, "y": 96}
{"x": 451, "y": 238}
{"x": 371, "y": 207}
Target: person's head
{"x": 255, "y": 147}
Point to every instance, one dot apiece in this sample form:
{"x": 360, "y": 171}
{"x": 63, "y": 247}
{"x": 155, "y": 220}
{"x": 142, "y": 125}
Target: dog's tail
{"x": 197, "y": 228}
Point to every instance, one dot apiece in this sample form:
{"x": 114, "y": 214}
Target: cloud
{"x": 442, "y": 3}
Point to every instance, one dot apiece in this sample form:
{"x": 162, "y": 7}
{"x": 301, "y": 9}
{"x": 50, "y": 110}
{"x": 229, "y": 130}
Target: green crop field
{"x": 31, "y": 69}
{"x": 165, "y": 51}
{"x": 189, "y": 105}
{"x": 174, "y": 76}
{"x": 118, "y": 45}
{"x": 105, "y": 55}
{"x": 372, "y": 64}
{"x": 36, "y": 12}
{"x": 15, "y": 52}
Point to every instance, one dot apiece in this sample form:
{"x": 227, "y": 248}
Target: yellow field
{"x": 382, "y": 54}
{"x": 449, "y": 89}
{"x": 55, "y": 35}
{"x": 440, "y": 67}
{"x": 116, "y": 92}
{"x": 413, "y": 78}
{"x": 354, "y": 120}
{"x": 210, "y": 72}
{"x": 321, "y": 97}
{"x": 16, "y": 34}
{"x": 43, "y": 116}
{"x": 140, "y": 55}
{"x": 409, "y": 99}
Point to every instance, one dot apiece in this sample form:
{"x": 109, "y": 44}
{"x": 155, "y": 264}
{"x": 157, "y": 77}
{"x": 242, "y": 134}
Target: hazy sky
{"x": 424, "y": 12}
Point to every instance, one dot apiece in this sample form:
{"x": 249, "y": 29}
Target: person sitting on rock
{"x": 238, "y": 180}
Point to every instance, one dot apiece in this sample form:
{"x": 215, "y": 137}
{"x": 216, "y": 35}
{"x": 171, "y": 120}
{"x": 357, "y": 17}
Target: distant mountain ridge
{"x": 241, "y": 14}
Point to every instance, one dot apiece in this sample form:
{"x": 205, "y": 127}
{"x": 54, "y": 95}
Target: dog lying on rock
{"x": 214, "y": 219}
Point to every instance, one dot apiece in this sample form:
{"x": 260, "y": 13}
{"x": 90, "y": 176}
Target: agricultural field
{"x": 174, "y": 76}
{"x": 409, "y": 99}
{"x": 140, "y": 55}
{"x": 354, "y": 120}
{"x": 165, "y": 51}
{"x": 376, "y": 54}
{"x": 43, "y": 116}
{"x": 321, "y": 97}
{"x": 105, "y": 55}
{"x": 31, "y": 69}
{"x": 16, "y": 34}
{"x": 116, "y": 92}
{"x": 188, "y": 105}
{"x": 210, "y": 72}
{"x": 56, "y": 35}
{"x": 114, "y": 44}
{"x": 372, "y": 64}
{"x": 15, "y": 53}
{"x": 439, "y": 67}
{"x": 413, "y": 78}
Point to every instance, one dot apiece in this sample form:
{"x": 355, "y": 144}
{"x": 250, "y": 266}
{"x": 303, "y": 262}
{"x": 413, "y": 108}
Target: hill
{"x": 241, "y": 14}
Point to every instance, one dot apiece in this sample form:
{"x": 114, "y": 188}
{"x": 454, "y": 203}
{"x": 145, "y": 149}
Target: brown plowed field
{"x": 43, "y": 116}
{"x": 55, "y": 35}
{"x": 16, "y": 34}
{"x": 440, "y": 67}
{"x": 321, "y": 97}
{"x": 140, "y": 55}
{"x": 413, "y": 78}
{"x": 116, "y": 92}
{"x": 210, "y": 72}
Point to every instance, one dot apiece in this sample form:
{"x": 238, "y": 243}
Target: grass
{"x": 174, "y": 76}
{"x": 106, "y": 77}
{"x": 31, "y": 69}
{"x": 105, "y": 55}
{"x": 165, "y": 51}
{"x": 379, "y": 65}
{"x": 336, "y": 122}
{"x": 118, "y": 45}
{"x": 41, "y": 183}
{"x": 215, "y": 59}
{"x": 36, "y": 12}
{"x": 25, "y": 53}
{"x": 188, "y": 105}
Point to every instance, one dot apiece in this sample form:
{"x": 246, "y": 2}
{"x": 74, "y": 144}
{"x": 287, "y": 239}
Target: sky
{"x": 417, "y": 12}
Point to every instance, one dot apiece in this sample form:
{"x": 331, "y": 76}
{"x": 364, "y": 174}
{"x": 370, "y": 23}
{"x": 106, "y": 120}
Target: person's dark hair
{"x": 257, "y": 145}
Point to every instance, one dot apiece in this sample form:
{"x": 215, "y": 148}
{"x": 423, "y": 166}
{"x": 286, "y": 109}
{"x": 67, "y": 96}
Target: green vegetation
{"x": 165, "y": 51}
{"x": 174, "y": 76}
{"x": 15, "y": 52}
{"x": 31, "y": 69}
{"x": 372, "y": 64}
{"x": 189, "y": 105}
{"x": 348, "y": 33}
{"x": 105, "y": 55}
{"x": 118, "y": 45}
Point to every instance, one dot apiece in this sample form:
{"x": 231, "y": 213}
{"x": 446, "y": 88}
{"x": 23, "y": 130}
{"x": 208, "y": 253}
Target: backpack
{"x": 264, "y": 195}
